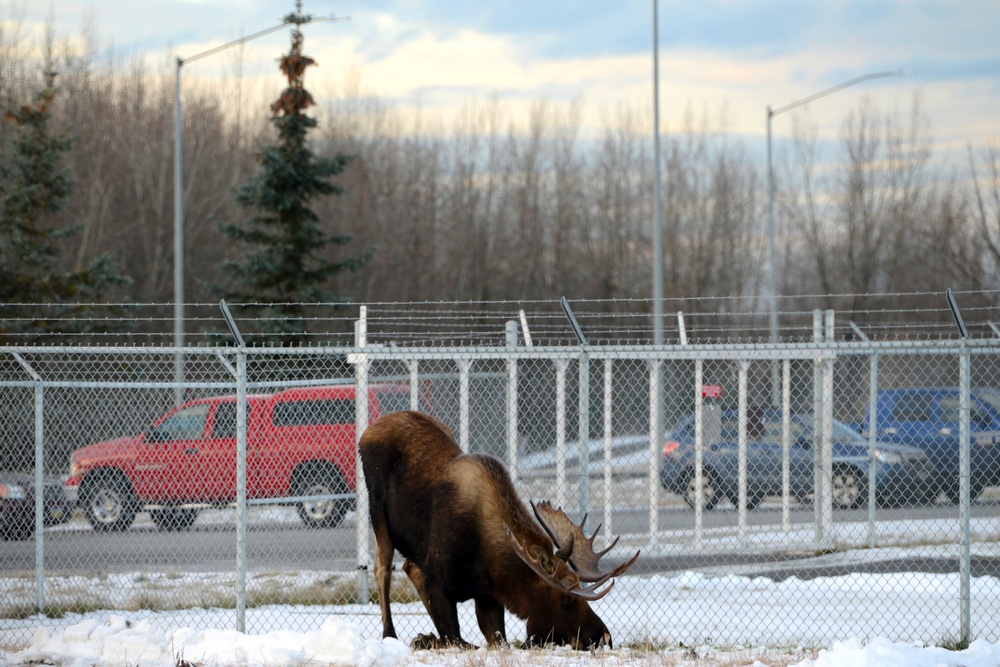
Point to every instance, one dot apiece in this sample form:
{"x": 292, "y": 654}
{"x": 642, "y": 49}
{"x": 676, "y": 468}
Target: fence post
{"x": 826, "y": 510}
{"x": 361, "y": 408}
{"x": 699, "y": 449}
{"x": 965, "y": 496}
{"x": 413, "y": 367}
{"x": 742, "y": 495}
{"x": 241, "y": 470}
{"x": 786, "y": 446}
{"x": 512, "y": 429}
{"x": 560, "y": 365}
{"x": 608, "y": 434}
{"x": 583, "y": 430}
{"x": 872, "y": 442}
{"x": 464, "y": 366}
{"x": 655, "y": 435}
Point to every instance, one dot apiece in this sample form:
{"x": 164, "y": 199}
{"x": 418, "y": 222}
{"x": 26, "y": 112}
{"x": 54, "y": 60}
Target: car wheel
{"x": 709, "y": 490}
{"x": 173, "y": 519}
{"x": 109, "y": 504}
{"x": 849, "y": 487}
{"x": 952, "y": 490}
{"x": 321, "y": 513}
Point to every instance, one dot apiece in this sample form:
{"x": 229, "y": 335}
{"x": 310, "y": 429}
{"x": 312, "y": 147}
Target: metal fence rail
{"x": 236, "y": 488}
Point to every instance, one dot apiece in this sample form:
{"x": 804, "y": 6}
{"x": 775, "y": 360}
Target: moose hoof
{"x": 429, "y": 641}
{"x": 425, "y": 642}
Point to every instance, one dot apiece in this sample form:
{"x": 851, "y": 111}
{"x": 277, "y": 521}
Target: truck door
{"x": 170, "y": 450}
{"x": 216, "y": 462}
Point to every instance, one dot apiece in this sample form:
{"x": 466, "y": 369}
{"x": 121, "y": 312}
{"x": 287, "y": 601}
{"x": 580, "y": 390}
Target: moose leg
{"x": 442, "y": 611}
{"x": 383, "y": 574}
{"x": 489, "y": 613}
{"x": 416, "y": 576}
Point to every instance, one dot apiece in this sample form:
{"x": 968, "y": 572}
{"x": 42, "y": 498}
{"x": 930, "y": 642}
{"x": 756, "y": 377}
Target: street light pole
{"x": 772, "y": 275}
{"x": 772, "y": 245}
{"x": 179, "y": 196}
{"x": 657, "y": 223}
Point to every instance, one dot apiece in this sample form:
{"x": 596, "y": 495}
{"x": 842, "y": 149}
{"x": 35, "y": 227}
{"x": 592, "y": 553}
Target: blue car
{"x": 929, "y": 418}
{"x": 901, "y": 472}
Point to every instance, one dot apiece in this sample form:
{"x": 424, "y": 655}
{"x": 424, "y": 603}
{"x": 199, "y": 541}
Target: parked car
{"x": 301, "y": 442}
{"x": 630, "y": 457}
{"x": 928, "y": 418}
{"x": 900, "y": 472}
{"x": 17, "y": 504}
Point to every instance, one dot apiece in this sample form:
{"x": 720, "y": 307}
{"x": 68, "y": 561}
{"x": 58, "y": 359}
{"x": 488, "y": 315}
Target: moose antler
{"x": 573, "y": 545}
{"x": 573, "y": 550}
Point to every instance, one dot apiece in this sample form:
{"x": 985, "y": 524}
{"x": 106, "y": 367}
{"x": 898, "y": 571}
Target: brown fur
{"x": 445, "y": 512}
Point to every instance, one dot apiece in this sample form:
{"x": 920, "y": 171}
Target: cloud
{"x": 740, "y": 55}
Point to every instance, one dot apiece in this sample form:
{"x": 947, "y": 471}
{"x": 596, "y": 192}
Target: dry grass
{"x": 626, "y": 657}
{"x": 169, "y": 592}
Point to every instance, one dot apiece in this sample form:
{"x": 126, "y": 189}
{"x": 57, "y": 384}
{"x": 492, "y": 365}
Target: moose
{"x": 465, "y": 534}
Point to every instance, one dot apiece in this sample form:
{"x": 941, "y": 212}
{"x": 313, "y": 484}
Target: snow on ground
{"x": 696, "y": 618}
{"x": 657, "y": 609}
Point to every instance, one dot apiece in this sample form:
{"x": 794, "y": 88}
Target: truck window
{"x": 314, "y": 413}
{"x": 188, "y": 424}
{"x": 913, "y": 408}
{"x": 951, "y": 413}
{"x": 224, "y": 425}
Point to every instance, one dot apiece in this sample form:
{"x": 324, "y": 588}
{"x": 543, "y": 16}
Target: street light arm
{"x": 267, "y": 31}
{"x": 223, "y": 47}
{"x": 834, "y": 89}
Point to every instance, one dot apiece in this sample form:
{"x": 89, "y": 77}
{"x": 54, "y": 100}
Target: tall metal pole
{"x": 179, "y": 196}
{"x": 772, "y": 274}
{"x": 772, "y": 287}
{"x": 657, "y": 224}
{"x": 656, "y": 414}
{"x": 178, "y": 242}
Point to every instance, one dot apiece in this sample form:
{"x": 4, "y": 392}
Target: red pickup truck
{"x": 301, "y": 442}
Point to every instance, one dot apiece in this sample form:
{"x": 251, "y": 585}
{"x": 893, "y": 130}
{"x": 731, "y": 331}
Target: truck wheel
{"x": 321, "y": 482}
{"x": 849, "y": 487}
{"x": 173, "y": 519}
{"x": 109, "y": 504}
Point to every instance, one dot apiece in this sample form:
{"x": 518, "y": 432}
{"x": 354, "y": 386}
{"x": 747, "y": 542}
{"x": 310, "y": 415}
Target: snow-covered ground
{"x": 836, "y": 628}
{"x": 710, "y": 617}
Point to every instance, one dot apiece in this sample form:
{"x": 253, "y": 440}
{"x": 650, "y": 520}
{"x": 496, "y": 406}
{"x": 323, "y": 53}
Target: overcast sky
{"x": 732, "y": 58}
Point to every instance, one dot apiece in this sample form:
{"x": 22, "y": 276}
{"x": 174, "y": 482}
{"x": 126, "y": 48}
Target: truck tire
{"x": 321, "y": 481}
{"x": 108, "y": 503}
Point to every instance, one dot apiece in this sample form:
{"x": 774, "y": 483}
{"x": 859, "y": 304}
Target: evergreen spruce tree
{"x": 36, "y": 299}
{"x": 287, "y": 254}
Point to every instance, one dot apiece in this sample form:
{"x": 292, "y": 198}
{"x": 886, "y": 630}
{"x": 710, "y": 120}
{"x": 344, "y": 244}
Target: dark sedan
{"x": 900, "y": 472}
{"x": 17, "y": 504}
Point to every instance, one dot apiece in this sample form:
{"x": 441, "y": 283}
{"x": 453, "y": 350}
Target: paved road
{"x": 276, "y": 541}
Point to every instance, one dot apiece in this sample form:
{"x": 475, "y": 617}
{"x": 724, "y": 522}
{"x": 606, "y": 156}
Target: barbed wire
{"x": 710, "y": 319}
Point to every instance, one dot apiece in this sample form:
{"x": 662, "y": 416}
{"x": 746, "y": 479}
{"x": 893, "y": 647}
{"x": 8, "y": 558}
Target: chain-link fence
{"x": 226, "y": 478}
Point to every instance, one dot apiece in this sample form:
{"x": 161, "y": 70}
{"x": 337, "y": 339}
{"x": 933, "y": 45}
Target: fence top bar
{"x": 394, "y": 352}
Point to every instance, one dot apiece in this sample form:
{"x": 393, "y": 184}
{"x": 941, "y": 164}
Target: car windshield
{"x": 769, "y": 429}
